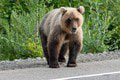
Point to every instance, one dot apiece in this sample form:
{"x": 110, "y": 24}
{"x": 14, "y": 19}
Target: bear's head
{"x": 71, "y": 19}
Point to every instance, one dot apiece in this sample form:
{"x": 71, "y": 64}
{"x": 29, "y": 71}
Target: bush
{"x": 113, "y": 39}
{"x": 19, "y": 21}
{"x": 19, "y": 35}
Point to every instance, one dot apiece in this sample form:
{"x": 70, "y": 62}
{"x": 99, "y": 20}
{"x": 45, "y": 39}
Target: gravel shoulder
{"x": 38, "y": 62}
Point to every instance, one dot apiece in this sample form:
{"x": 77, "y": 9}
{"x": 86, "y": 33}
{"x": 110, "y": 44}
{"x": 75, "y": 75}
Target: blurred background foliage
{"x": 19, "y": 21}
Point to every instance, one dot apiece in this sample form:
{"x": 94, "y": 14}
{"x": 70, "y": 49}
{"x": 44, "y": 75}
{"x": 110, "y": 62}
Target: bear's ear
{"x": 81, "y": 9}
{"x": 63, "y": 10}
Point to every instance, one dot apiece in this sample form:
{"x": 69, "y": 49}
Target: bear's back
{"x": 50, "y": 20}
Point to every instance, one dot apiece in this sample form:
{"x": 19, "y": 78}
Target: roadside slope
{"x": 38, "y": 62}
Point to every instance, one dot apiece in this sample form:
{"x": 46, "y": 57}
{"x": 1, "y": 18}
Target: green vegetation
{"x": 19, "y": 20}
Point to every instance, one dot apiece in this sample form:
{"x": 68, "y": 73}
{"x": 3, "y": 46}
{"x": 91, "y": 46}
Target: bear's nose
{"x": 73, "y": 29}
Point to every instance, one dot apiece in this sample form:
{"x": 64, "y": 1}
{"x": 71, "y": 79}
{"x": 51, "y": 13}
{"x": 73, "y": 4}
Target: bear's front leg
{"x": 74, "y": 48}
{"x": 54, "y": 46}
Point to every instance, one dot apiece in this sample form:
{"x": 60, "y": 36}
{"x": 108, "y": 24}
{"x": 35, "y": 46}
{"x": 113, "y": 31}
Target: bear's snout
{"x": 74, "y": 29}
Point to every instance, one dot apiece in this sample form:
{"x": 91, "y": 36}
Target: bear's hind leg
{"x": 44, "y": 45}
{"x": 63, "y": 51}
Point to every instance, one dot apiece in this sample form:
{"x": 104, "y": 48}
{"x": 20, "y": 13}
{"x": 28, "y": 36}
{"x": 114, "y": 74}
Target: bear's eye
{"x": 76, "y": 19}
{"x": 68, "y": 20}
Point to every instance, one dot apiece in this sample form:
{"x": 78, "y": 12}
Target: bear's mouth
{"x": 73, "y": 32}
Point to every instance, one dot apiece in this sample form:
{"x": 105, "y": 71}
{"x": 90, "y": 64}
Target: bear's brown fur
{"x": 60, "y": 30}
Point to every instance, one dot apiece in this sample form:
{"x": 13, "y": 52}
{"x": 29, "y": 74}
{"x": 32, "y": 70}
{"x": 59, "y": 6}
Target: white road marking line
{"x": 85, "y": 76}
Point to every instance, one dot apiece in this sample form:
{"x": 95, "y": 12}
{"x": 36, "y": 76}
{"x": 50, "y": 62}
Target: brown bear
{"x": 60, "y": 30}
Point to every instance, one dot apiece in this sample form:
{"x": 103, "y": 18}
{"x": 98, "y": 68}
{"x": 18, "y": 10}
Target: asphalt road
{"x": 97, "y": 70}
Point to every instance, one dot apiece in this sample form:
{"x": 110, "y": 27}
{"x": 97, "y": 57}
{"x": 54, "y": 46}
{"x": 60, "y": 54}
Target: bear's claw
{"x": 71, "y": 65}
{"x": 61, "y": 60}
{"x": 54, "y": 66}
